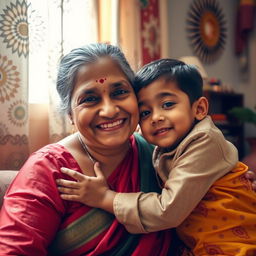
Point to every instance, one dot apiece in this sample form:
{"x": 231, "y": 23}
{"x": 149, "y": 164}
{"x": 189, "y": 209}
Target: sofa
{"x": 6, "y": 177}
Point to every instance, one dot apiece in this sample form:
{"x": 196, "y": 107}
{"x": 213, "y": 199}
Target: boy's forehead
{"x": 158, "y": 88}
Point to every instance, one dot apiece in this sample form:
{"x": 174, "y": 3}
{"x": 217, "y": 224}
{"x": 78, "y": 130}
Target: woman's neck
{"x": 109, "y": 159}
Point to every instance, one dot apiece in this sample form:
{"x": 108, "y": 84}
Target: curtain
{"x": 143, "y": 31}
{"x": 33, "y": 37}
{"x": 64, "y": 25}
{"x": 13, "y": 84}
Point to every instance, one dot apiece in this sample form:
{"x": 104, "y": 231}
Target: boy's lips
{"x": 111, "y": 125}
{"x": 161, "y": 131}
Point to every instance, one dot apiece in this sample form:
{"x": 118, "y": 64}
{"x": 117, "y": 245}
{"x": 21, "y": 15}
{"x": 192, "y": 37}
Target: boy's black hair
{"x": 186, "y": 76}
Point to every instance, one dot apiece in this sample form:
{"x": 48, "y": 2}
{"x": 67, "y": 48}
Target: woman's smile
{"x": 112, "y": 125}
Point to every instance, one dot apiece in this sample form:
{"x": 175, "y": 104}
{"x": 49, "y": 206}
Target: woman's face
{"x": 103, "y": 103}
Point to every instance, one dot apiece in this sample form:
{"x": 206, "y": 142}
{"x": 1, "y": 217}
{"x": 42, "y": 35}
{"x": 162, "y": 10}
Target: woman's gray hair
{"x": 88, "y": 54}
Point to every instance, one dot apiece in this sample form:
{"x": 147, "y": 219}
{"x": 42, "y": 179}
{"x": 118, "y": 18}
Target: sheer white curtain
{"x": 56, "y": 27}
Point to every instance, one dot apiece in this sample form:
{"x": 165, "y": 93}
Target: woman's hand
{"x": 89, "y": 190}
{"x": 251, "y": 175}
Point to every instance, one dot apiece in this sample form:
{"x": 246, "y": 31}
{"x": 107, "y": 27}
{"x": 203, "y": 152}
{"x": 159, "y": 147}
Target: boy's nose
{"x": 157, "y": 117}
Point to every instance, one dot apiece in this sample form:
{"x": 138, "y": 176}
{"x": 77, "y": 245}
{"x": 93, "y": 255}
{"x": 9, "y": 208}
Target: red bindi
{"x": 101, "y": 80}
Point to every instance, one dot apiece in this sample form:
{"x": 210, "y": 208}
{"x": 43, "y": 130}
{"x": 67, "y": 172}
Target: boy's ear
{"x": 201, "y": 107}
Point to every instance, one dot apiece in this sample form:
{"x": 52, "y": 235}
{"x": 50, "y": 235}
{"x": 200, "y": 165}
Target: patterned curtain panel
{"x": 13, "y": 84}
{"x": 33, "y": 36}
{"x": 58, "y": 26}
{"x": 150, "y": 30}
{"x": 144, "y": 32}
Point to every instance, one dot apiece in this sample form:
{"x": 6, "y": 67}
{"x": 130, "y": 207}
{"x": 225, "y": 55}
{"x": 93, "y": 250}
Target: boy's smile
{"x": 166, "y": 115}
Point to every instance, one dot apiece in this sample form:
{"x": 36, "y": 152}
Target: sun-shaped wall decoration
{"x": 206, "y": 29}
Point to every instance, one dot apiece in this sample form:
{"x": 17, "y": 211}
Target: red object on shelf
{"x": 219, "y": 117}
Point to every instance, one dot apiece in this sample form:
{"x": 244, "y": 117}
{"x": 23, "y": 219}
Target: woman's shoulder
{"x": 52, "y": 157}
{"x": 145, "y": 149}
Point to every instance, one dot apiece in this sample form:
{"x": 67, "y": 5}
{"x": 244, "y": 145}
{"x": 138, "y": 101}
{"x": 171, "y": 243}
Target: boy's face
{"x": 166, "y": 115}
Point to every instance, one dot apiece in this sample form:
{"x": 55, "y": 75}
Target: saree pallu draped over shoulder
{"x": 92, "y": 231}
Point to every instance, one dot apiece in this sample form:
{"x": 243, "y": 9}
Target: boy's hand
{"x": 89, "y": 190}
{"x": 251, "y": 175}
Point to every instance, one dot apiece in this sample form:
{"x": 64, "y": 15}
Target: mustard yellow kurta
{"x": 224, "y": 222}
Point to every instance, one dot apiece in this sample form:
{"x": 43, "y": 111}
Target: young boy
{"x": 204, "y": 192}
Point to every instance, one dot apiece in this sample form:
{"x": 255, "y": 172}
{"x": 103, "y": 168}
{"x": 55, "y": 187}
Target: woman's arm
{"x": 32, "y": 209}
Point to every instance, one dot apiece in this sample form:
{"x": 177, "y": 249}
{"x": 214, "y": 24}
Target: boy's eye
{"x": 144, "y": 114}
{"x": 120, "y": 92}
{"x": 168, "y": 104}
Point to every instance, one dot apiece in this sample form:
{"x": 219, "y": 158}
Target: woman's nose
{"x": 108, "y": 109}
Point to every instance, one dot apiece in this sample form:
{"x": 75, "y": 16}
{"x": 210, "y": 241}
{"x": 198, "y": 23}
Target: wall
{"x": 227, "y": 66}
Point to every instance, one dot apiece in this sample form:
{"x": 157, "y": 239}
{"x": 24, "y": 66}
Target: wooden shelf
{"x": 219, "y": 105}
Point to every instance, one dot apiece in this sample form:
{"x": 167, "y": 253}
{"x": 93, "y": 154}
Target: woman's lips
{"x": 107, "y": 126}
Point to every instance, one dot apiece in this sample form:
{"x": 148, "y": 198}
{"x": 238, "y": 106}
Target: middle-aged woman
{"x": 95, "y": 86}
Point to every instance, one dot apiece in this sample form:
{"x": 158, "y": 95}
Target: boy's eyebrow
{"x": 159, "y": 96}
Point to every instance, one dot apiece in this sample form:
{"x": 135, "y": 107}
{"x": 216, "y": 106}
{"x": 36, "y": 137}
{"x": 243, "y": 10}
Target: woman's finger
{"x": 74, "y": 174}
{"x": 250, "y": 175}
{"x": 254, "y": 185}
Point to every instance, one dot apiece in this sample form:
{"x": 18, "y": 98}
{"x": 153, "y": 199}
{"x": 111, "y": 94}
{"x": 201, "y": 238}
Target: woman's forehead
{"x": 99, "y": 69}
{"x": 104, "y": 73}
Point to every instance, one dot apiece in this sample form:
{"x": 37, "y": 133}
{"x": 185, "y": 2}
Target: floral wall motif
{"x": 13, "y": 84}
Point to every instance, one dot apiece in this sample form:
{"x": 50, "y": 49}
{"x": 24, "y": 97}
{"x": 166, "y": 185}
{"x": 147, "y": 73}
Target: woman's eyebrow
{"x": 89, "y": 91}
{"x": 120, "y": 83}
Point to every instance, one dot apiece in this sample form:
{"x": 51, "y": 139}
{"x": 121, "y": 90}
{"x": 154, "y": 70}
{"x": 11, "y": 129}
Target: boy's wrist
{"x": 107, "y": 202}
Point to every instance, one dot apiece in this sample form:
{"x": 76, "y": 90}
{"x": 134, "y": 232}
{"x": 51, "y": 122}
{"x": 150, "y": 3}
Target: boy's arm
{"x": 89, "y": 190}
{"x": 196, "y": 169}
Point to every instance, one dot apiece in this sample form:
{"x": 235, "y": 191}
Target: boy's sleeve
{"x": 197, "y": 168}
{"x": 32, "y": 209}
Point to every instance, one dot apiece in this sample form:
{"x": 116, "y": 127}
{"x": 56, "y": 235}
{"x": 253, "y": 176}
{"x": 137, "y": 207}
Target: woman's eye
{"x": 144, "y": 114}
{"x": 120, "y": 92}
{"x": 88, "y": 100}
{"x": 168, "y": 104}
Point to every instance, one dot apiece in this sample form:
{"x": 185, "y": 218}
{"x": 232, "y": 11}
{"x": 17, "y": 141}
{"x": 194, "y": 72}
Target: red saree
{"x": 33, "y": 212}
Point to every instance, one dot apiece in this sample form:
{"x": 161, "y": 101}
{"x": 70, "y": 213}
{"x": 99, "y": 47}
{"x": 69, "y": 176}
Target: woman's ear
{"x": 71, "y": 119}
{"x": 201, "y": 107}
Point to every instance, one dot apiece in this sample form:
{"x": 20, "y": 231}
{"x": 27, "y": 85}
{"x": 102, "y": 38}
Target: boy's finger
{"x": 74, "y": 174}
{"x": 69, "y": 191}
{"x": 70, "y": 197}
{"x": 97, "y": 170}
{"x": 67, "y": 183}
